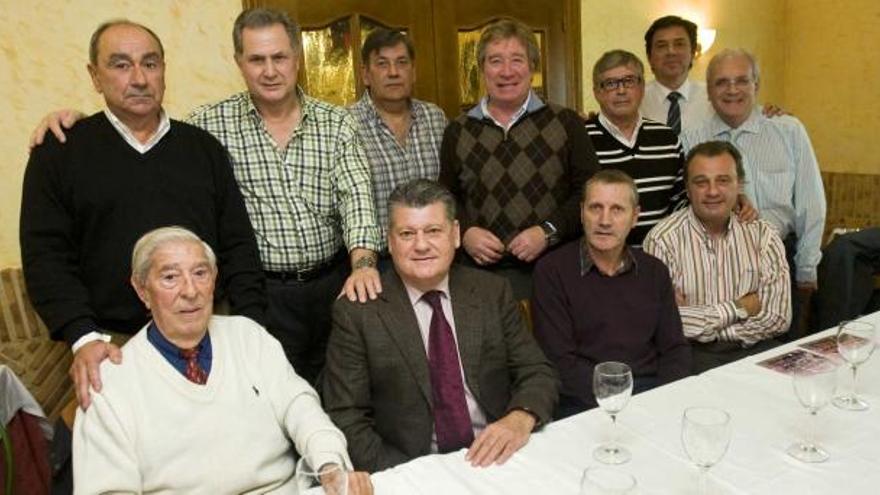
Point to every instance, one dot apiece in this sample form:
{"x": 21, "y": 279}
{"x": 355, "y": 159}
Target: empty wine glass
{"x": 321, "y": 473}
{"x": 612, "y": 386}
{"x": 705, "y": 436}
{"x": 855, "y": 343}
{"x": 814, "y": 389}
{"x": 601, "y": 480}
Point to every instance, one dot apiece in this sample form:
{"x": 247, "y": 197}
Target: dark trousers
{"x": 713, "y": 354}
{"x": 846, "y": 277}
{"x": 298, "y": 316}
{"x": 800, "y": 307}
{"x": 517, "y": 273}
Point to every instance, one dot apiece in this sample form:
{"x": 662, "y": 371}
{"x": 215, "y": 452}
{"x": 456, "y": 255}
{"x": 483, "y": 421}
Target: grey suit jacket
{"x": 377, "y": 386}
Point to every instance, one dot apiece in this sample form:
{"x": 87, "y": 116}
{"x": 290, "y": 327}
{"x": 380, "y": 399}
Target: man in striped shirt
{"x": 731, "y": 278}
{"x": 785, "y": 184}
{"x": 647, "y": 151}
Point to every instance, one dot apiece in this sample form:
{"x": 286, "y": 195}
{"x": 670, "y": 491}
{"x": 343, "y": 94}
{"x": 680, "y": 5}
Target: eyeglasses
{"x": 738, "y": 83}
{"x": 627, "y": 82}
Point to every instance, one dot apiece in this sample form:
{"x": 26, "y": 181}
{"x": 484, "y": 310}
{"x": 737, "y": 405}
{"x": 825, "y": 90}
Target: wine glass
{"x": 855, "y": 343}
{"x": 321, "y": 473}
{"x": 602, "y": 480}
{"x": 612, "y": 386}
{"x": 705, "y": 436}
{"x": 814, "y": 389}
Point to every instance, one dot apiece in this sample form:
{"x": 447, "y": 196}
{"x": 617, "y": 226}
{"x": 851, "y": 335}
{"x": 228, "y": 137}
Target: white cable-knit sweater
{"x": 152, "y": 430}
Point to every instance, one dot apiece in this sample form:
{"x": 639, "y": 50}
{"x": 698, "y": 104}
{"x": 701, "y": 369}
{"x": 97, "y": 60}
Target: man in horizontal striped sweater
{"x": 731, "y": 278}
{"x": 647, "y": 151}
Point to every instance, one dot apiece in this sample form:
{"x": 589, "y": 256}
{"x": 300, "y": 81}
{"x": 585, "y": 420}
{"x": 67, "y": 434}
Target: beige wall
{"x": 756, "y": 25}
{"x": 43, "y": 54}
{"x": 832, "y": 79}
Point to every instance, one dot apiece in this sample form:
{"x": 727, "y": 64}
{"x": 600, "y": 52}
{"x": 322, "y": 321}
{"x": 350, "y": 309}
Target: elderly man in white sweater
{"x": 200, "y": 403}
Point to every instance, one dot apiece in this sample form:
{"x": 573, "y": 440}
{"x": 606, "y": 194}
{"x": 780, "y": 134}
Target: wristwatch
{"x": 364, "y": 262}
{"x": 551, "y": 235}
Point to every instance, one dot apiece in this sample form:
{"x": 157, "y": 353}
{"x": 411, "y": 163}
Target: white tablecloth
{"x": 766, "y": 418}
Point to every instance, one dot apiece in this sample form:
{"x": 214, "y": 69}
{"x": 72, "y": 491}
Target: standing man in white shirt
{"x": 671, "y": 98}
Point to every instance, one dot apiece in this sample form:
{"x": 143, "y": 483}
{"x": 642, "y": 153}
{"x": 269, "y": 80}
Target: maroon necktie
{"x": 194, "y": 372}
{"x": 452, "y": 422}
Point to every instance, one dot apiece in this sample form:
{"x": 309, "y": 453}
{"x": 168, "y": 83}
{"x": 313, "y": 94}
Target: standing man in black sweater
{"x": 123, "y": 172}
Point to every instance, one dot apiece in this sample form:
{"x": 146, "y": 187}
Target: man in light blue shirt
{"x": 785, "y": 184}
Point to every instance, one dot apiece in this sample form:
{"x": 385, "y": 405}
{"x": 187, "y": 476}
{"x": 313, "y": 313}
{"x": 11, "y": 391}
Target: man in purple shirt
{"x": 595, "y": 300}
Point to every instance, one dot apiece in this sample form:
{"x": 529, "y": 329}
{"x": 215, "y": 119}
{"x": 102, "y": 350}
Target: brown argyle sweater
{"x": 507, "y": 182}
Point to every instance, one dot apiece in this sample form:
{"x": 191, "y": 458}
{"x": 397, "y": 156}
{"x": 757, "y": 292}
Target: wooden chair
{"x": 25, "y": 346}
{"x": 525, "y": 308}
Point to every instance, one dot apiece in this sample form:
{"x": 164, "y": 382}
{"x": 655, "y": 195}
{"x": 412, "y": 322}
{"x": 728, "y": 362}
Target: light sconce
{"x": 705, "y": 37}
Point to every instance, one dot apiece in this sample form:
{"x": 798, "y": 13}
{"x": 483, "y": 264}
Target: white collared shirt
{"x": 694, "y": 103}
{"x": 615, "y": 132}
{"x": 424, "y": 312}
{"x": 128, "y": 136}
{"x": 484, "y": 107}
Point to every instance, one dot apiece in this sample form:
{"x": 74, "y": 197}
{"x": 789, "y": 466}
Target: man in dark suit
{"x": 442, "y": 359}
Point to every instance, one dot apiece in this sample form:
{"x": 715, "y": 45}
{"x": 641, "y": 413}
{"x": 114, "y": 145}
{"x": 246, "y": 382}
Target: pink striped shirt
{"x": 713, "y": 273}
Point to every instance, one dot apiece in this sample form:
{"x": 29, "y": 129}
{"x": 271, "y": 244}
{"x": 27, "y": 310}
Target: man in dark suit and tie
{"x": 442, "y": 359}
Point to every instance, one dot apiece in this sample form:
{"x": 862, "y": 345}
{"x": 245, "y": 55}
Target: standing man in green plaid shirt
{"x": 306, "y": 184}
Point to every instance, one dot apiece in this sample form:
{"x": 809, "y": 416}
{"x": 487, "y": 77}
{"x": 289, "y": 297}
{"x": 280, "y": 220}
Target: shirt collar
{"x": 415, "y": 295}
{"x": 617, "y": 134}
{"x": 532, "y": 104}
{"x": 305, "y": 103}
{"x": 684, "y": 90}
{"x": 367, "y": 103}
{"x": 698, "y": 225}
{"x": 166, "y": 347}
{"x": 751, "y": 125}
{"x": 128, "y": 136}
{"x": 628, "y": 263}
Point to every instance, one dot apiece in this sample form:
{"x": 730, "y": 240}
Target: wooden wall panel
{"x": 853, "y": 200}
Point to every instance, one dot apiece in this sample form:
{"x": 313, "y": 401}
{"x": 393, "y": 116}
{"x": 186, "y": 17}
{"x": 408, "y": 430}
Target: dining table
{"x": 765, "y": 418}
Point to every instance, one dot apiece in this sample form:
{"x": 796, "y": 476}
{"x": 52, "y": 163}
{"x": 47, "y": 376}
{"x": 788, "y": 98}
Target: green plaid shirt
{"x": 307, "y": 200}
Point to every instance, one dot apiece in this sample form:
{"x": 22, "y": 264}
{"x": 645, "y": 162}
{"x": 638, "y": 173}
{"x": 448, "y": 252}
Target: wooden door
{"x": 441, "y": 30}
{"x": 555, "y": 23}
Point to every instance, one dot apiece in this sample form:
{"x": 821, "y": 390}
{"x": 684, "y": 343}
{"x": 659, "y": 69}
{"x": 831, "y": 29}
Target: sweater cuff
{"x": 74, "y": 330}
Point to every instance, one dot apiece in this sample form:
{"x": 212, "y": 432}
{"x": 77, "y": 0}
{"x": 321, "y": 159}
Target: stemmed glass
{"x": 612, "y": 386}
{"x": 855, "y": 343}
{"x": 321, "y": 473}
{"x": 705, "y": 436}
{"x": 601, "y": 480}
{"x": 814, "y": 389}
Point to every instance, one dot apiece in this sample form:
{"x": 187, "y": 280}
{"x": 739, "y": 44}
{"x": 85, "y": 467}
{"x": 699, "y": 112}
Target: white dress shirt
{"x": 694, "y": 103}
{"x": 782, "y": 178}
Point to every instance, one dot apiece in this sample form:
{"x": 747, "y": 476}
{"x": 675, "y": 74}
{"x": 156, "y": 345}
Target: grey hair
{"x": 142, "y": 254}
{"x": 419, "y": 193}
{"x": 732, "y": 53}
{"x": 261, "y": 17}
{"x": 616, "y": 58}
{"x": 505, "y": 29}
{"x": 613, "y": 176}
{"x": 96, "y": 37}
